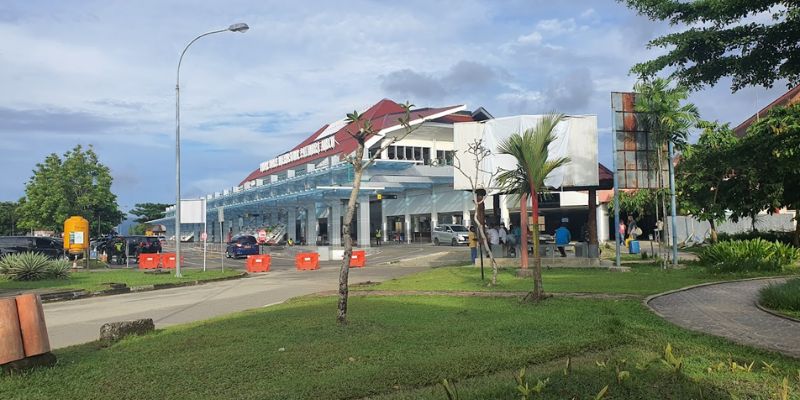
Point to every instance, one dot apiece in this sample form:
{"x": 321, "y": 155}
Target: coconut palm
{"x": 659, "y": 111}
{"x": 530, "y": 148}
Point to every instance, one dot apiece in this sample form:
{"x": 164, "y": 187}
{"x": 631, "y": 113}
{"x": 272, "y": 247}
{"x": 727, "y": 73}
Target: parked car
{"x": 242, "y": 246}
{"x": 51, "y": 247}
{"x": 452, "y": 234}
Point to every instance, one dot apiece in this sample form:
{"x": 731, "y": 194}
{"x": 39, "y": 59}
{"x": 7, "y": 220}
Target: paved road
{"x": 729, "y": 310}
{"x": 79, "y": 321}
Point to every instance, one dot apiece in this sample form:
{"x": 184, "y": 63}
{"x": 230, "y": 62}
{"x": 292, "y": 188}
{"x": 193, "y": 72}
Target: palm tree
{"x": 530, "y": 148}
{"x": 659, "y": 111}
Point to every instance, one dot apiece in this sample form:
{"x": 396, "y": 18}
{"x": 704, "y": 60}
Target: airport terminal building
{"x": 406, "y": 193}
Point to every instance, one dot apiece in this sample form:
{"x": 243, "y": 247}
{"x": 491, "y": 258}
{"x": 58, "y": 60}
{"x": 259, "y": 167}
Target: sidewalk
{"x": 729, "y": 310}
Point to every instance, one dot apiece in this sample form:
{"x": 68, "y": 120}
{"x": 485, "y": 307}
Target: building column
{"x": 505, "y": 217}
{"x": 311, "y": 224}
{"x": 434, "y": 210}
{"x": 291, "y": 223}
{"x": 407, "y": 218}
{"x": 495, "y": 209}
{"x": 603, "y": 230}
{"x": 363, "y": 222}
{"x": 592, "y": 222}
{"x": 465, "y": 202}
{"x": 335, "y": 224}
{"x": 384, "y": 222}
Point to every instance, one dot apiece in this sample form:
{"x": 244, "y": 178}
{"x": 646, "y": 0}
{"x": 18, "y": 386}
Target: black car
{"x": 51, "y": 247}
{"x": 139, "y": 244}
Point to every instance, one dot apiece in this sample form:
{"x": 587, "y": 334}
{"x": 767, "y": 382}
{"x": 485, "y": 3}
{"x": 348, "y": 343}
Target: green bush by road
{"x": 749, "y": 255}
{"x": 99, "y": 280}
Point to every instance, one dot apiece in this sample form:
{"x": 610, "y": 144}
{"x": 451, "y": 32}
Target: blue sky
{"x": 103, "y": 73}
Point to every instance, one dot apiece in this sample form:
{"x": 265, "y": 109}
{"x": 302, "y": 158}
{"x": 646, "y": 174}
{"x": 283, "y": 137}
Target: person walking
{"x": 563, "y": 237}
{"x": 501, "y": 231}
{"x": 516, "y": 233}
{"x": 378, "y": 236}
{"x": 621, "y": 231}
{"x": 511, "y": 243}
{"x": 472, "y": 237}
{"x": 633, "y": 229}
{"x": 494, "y": 240}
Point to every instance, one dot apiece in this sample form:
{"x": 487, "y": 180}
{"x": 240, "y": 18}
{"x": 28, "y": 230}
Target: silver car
{"x": 450, "y": 233}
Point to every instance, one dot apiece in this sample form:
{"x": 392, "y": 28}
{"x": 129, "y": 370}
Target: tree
{"x": 636, "y": 202}
{"x": 78, "y": 184}
{"x": 703, "y": 173}
{"x": 530, "y": 149}
{"x": 9, "y": 218}
{"x": 148, "y": 211}
{"x": 773, "y": 147}
{"x": 363, "y": 131}
{"x": 660, "y": 112}
{"x": 477, "y": 152}
{"x": 720, "y": 41}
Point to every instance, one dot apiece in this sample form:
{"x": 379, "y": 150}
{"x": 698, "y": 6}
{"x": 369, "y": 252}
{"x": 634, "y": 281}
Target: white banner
{"x": 193, "y": 211}
{"x": 575, "y": 137}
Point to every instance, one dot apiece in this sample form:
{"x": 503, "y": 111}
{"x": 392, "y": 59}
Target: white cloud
{"x": 556, "y": 26}
{"x": 534, "y": 38}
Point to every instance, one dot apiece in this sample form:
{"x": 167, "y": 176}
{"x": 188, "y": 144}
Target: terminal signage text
{"x": 306, "y": 151}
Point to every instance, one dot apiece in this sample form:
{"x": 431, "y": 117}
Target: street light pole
{"x": 240, "y": 27}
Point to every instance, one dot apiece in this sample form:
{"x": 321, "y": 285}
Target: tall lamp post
{"x": 240, "y": 27}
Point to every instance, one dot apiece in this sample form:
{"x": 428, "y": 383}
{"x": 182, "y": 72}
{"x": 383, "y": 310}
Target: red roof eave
{"x": 385, "y": 114}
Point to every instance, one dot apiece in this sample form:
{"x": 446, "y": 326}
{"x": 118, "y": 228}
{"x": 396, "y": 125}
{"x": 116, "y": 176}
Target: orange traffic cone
{"x": 31, "y": 322}
{"x": 10, "y": 338}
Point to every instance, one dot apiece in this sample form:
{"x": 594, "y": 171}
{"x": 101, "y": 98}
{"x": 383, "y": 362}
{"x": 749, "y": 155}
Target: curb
{"x": 775, "y": 313}
{"x": 55, "y": 297}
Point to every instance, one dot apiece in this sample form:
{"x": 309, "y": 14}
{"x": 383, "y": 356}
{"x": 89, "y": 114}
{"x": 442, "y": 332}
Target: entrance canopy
{"x": 576, "y": 138}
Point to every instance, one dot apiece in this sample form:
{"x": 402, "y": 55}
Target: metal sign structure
{"x": 635, "y": 158}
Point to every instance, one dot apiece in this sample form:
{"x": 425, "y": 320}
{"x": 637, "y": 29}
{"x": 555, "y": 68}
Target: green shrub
{"x": 33, "y": 267}
{"x": 770, "y": 236}
{"x": 25, "y": 266}
{"x": 58, "y": 269}
{"x": 784, "y": 296}
{"x": 748, "y": 255}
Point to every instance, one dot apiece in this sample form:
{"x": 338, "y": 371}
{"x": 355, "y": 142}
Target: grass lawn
{"x": 784, "y": 298}
{"x": 98, "y": 280}
{"x": 644, "y": 279}
{"x": 400, "y": 347}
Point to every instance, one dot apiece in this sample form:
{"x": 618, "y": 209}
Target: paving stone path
{"x": 729, "y": 310}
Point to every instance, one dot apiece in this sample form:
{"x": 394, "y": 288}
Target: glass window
{"x": 409, "y": 153}
{"x": 418, "y": 153}
{"x": 448, "y": 157}
{"x": 391, "y": 153}
{"x": 401, "y": 153}
{"x": 426, "y": 155}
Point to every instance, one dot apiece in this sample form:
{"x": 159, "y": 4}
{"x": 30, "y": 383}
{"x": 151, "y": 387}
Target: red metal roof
{"x": 384, "y": 114}
{"x": 790, "y": 97}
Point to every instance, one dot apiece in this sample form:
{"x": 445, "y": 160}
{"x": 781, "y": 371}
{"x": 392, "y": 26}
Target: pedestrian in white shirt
{"x": 501, "y": 231}
{"x": 494, "y": 240}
